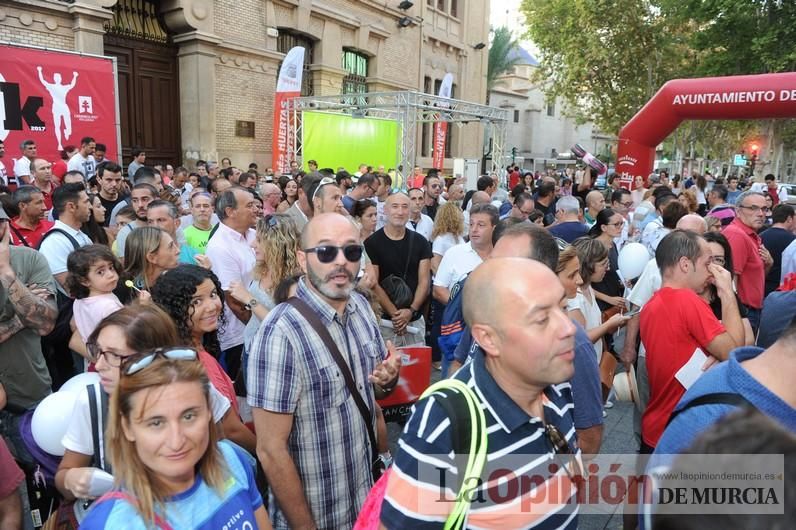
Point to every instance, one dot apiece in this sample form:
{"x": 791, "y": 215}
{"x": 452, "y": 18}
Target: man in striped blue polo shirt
{"x": 520, "y": 377}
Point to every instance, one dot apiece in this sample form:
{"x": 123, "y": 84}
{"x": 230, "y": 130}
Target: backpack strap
{"x": 160, "y": 523}
{"x": 469, "y": 439}
{"x": 69, "y": 236}
{"x": 99, "y": 413}
{"x": 18, "y": 234}
{"x": 715, "y": 398}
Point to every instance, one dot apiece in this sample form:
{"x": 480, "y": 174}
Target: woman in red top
{"x": 193, "y": 297}
{"x": 59, "y": 167}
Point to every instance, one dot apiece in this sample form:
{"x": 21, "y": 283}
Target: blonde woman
{"x": 448, "y": 231}
{"x": 170, "y": 469}
{"x": 148, "y": 252}
{"x": 275, "y": 249}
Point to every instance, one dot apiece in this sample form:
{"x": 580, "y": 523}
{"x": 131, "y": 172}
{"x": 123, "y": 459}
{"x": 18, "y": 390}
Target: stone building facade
{"x": 540, "y": 130}
{"x": 212, "y": 64}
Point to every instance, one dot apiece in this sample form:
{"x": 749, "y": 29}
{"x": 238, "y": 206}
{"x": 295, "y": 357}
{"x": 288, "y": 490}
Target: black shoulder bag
{"x": 376, "y": 466}
{"x": 395, "y": 286}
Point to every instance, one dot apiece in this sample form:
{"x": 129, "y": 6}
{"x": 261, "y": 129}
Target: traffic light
{"x": 513, "y": 154}
{"x": 754, "y": 149}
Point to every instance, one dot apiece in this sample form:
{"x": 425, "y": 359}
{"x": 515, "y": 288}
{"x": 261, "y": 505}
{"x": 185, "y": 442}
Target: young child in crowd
{"x": 93, "y": 275}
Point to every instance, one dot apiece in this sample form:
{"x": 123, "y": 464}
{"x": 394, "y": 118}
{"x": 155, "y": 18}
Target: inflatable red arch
{"x": 743, "y": 97}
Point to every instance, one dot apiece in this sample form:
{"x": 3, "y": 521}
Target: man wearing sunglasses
{"x": 310, "y": 433}
{"x": 520, "y": 378}
{"x": 365, "y": 189}
{"x": 432, "y": 185}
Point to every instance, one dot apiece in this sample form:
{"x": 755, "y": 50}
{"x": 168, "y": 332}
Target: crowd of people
{"x": 242, "y": 327}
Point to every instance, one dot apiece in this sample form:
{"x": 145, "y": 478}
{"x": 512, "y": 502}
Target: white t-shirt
{"x": 57, "y": 247}
{"x": 3, "y": 173}
{"x": 444, "y": 242}
{"x": 87, "y": 166}
{"x": 79, "y": 436}
{"x": 424, "y": 227}
{"x": 646, "y": 285}
{"x": 22, "y": 169}
{"x": 592, "y": 314}
{"x": 458, "y": 262}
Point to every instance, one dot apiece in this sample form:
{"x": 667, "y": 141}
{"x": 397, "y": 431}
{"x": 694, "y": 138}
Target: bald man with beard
{"x": 310, "y": 432}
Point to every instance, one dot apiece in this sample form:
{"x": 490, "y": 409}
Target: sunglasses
{"x": 328, "y": 253}
{"x": 562, "y": 447}
{"x": 324, "y": 182}
{"x": 135, "y": 363}
{"x": 270, "y": 221}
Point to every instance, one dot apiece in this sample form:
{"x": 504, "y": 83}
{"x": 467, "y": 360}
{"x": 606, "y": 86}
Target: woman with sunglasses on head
{"x": 193, "y": 298}
{"x": 128, "y": 332}
{"x": 721, "y": 254}
{"x": 275, "y": 247}
{"x": 609, "y": 291}
{"x": 171, "y": 471}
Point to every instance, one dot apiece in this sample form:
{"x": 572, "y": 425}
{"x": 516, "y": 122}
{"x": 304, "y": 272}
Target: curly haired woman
{"x": 193, "y": 298}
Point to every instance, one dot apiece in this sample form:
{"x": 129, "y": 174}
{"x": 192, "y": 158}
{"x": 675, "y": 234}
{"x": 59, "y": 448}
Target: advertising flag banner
{"x": 55, "y": 98}
{"x": 287, "y": 86}
{"x": 441, "y": 127}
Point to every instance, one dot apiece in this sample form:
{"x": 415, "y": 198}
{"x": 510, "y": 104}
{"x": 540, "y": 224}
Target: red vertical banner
{"x": 288, "y": 86}
{"x": 55, "y": 98}
{"x": 441, "y": 127}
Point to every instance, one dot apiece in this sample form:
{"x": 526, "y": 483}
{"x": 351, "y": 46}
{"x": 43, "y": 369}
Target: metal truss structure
{"x": 409, "y": 108}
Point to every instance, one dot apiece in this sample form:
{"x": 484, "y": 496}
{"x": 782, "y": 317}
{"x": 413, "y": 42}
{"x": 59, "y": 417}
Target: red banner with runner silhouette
{"x": 55, "y": 98}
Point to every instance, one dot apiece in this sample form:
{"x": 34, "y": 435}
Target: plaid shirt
{"x": 291, "y": 372}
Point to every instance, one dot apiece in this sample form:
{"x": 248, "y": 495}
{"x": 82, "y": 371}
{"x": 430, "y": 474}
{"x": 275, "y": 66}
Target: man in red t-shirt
{"x": 29, "y": 227}
{"x": 676, "y": 321}
{"x": 750, "y": 258}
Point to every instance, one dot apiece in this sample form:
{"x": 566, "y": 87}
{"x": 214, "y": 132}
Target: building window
{"x": 356, "y": 66}
{"x": 454, "y": 11}
{"x": 551, "y": 109}
{"x": 289, "y": 39}
{"x": 441, "y": 5}
{"x": 516, "y": 116}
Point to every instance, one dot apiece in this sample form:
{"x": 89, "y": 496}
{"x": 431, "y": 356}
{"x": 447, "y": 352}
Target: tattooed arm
{"x": 31, "y": 310}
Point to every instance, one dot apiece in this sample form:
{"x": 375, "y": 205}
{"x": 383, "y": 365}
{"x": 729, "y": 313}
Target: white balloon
{"x": 632, "y": 259}
{"x": 51, "y": 419}
{"x": 79, "y": 382}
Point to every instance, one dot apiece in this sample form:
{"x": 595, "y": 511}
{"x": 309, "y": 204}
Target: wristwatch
{"x": 251, "y": 303}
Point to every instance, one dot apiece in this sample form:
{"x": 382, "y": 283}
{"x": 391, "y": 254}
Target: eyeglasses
{"x": 94, "y": 353}
{"x": 627, "y": 204}
{"x": 135, "y": 363}
{"x": 756, "y": 209}
{"x": 718, "y": 260}
{"x": 324, "y": 182}
{"x": 619, "y": 223}
{"x": 328, "y": 253}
